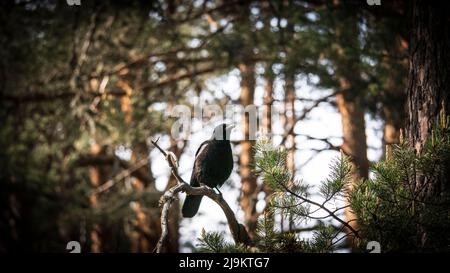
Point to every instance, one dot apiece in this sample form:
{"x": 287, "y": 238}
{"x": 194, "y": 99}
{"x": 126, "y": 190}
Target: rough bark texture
{"x": 429, "y": 83}
{"x": 428, "y": 93}
{"x": 248, "y": 180}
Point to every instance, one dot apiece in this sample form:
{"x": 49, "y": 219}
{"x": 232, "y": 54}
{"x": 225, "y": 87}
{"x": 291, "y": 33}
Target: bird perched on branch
{"x": 212, "y": 166}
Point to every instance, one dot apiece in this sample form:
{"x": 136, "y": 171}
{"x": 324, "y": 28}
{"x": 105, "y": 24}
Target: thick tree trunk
{"x": 248, "y": 180}
{"x": 429, "y": 78}
{"x": 428, "y": 94}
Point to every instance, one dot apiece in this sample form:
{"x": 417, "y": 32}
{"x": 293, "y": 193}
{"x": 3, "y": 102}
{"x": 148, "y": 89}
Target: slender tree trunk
{"x": 354, "y": 145}
{"x": 289, "y": 106}
{"x": 391, "y": 130}
{"x": 394, "y": 101}
{"x": 143, "y": 237}
{"x": 248, "y": 180}
{"x": 267, "y": 111}
{"x": 95, "y": 177}
{"x": 350, "y": 103}
{"x": 267, "y": 129}
{"x": 428, "y": 93}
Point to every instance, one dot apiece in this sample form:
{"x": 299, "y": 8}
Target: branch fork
{"x": 238, "y": 231}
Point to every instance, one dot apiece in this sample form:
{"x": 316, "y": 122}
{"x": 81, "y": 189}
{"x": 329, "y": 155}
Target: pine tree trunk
{"x": 354, "y": 145}
{"x": 268, "y": 101}
{"x": 267, "y": 129}
{"x": 428, "y": 94}
{"x": 95, "y": 176}
{"x": 394, "y": 101}
{"x": 391, "y": 130}
{"x": 429, "y": 78}
{"x": 350, "y": 102}
{"x": 143, "y": 237}
{"x": 248, "y": 180}
{"x": 289, "y": 106}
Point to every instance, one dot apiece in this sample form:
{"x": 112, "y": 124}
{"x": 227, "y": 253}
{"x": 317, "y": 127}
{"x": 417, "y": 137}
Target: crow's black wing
{"x": 192, "y": 203}
{"x": 200, "y": 170}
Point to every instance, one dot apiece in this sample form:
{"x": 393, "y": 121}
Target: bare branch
{"x": 305, "y": 112}
{"x": 132, "y": 170}
{"x": 238, "y": 231}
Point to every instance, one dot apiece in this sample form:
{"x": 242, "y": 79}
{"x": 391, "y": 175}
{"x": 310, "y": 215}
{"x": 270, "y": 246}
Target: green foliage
{"x": 401, "y": 207}
{"x": 291, "y": 199}
{"x": 214, "y": 242}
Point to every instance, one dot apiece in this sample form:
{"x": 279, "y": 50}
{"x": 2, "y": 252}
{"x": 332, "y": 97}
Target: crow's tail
{"x": 191, "y": 205}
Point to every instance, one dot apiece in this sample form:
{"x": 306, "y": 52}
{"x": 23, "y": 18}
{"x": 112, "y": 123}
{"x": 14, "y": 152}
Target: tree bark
{"x": 289, "y": 106}
{"x": 267, "y": 128}
{"x": 143, "y": 237}
{"x": 268, "y": 101}
{"x": 429, "y": 93}
{"x": 429, "y": 83}
{"x": 350, "y": 102}
{"x": 394, "y": 101}
{"x": 248, "y": 180}
{"x": 95, "y": 175}
{"x": 355, "y": 146}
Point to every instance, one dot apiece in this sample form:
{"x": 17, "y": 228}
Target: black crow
{"x": 212, "y": 166}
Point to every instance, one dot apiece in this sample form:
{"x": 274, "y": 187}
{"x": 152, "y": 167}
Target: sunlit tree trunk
{"x": 290, "y": 120}
{"x": 248, "y": 180}
{"x": 289, "y": 106}
{"x": 95, "y": 177}
{"x": 350, "y": 103}
{"x": 267, "y": 127}
{"x": 394, "y": 95}
{"x": 355, "y": 146}
{"x": 143, "y": 238}
{"x": 268, "y": 102}
{"x": 354, "y": 135}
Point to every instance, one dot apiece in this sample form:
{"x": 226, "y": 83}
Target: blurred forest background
{"x": 85, "y": 88}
